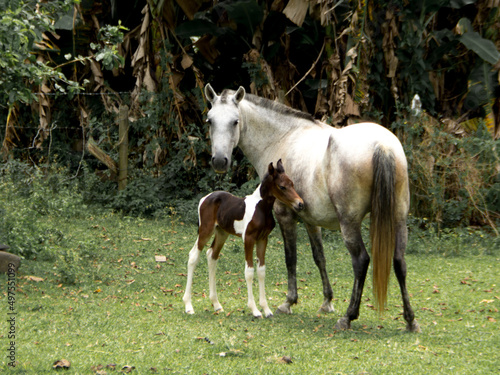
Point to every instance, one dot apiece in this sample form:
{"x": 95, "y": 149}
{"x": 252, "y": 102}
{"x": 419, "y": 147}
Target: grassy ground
{"x": 102, "y": 302}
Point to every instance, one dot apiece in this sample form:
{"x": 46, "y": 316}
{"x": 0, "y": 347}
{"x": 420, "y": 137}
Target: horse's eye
{"x": 282, "y": 188}
{"x": 236, "y": 122}
{"x": 208, "y": 121}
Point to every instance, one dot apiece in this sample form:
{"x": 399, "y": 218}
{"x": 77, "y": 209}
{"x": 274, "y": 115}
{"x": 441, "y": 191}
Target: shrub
{"x": 454, "y": 179}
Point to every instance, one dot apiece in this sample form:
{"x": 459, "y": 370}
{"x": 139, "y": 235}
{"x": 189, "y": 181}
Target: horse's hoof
{"x": 190, "y": 312}
{"x": 413, "y": 327}
{"x": 269, "y": 314}
{"x": 283, "y": 309}
{"x": 257, "y": 316}
{"x": 343, "y": 324}
{"x": 326, "y": 307}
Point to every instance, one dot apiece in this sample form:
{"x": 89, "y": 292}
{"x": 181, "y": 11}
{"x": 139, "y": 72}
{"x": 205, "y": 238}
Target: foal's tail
{"x": 382, "y": 227}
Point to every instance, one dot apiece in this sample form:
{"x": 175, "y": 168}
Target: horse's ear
{"x": 279, "y": 167}
{"x": 210, "y": 93}
{"x": 270, "y": 169}
{"x": 240, "y": 94}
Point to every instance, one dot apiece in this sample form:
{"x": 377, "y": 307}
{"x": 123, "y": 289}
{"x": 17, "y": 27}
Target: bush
{"x": 27, "y": 198}
{"x": 454, "y": 179}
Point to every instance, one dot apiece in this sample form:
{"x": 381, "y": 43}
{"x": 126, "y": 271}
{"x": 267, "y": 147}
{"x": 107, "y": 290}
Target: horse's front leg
{"x": 288, "y": 224}
{"x": 319, "y": 258}
{"x": 360, "y": 261}
{"x": 261, "y": 274}
{"x": 249, "y": 274}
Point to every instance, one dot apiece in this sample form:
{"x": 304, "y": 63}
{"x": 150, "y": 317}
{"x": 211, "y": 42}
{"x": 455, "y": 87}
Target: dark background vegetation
{"x": 68, "y": 66}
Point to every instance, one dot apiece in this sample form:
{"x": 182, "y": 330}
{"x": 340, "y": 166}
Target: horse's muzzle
{"x": 220, "y": 164}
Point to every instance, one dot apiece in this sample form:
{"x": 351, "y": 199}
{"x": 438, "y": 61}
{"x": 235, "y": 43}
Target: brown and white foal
{"x": 250, "y": 218}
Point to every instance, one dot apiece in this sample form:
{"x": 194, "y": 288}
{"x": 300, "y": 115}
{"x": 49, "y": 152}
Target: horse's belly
{"x": 321, "y": 214}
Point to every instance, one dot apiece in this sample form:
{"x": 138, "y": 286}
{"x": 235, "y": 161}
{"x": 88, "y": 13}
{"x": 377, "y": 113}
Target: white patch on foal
{"x": 251, "y": 201}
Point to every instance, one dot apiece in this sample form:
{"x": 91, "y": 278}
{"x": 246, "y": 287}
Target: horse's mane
{"x": 271, "y": 105}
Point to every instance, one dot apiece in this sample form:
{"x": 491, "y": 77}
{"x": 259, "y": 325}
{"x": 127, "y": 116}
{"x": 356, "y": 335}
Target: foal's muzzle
{"x": 299, "y": 205}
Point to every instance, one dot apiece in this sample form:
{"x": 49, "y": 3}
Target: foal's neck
{"x": 266, "y": 192}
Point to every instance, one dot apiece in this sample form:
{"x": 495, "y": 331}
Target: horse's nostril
{"x": 300, "y": 206}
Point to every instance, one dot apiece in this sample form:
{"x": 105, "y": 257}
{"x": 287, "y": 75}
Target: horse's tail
{"x": 382, "y": 226}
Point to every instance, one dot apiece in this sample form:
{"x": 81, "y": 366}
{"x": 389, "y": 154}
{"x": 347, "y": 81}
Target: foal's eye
{"x": 208, "y": 121}
{"x": 236, "y": 122}
{"x": 282, "y": 188}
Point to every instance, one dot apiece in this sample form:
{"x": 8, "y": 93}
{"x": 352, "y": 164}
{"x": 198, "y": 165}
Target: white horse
{"x": 341, "y": 174}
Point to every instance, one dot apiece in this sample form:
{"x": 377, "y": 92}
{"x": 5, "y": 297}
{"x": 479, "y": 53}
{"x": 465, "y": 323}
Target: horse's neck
{"x": 263, "y": 129}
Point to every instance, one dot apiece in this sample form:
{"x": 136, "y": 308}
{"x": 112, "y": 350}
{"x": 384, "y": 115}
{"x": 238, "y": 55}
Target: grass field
{"x": 102, "y": 302}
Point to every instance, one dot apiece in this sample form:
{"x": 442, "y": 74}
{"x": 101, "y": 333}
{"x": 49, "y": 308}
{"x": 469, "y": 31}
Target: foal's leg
{"x": 249, "y": 273}
{"x": 194, "y": 257}
{"x": 319, "y": 258}
{"x": 212, "y": 257}
{"x": 288, "y": 224}
{"x": 206, "y": 221}
{"x": 360, "y": 261}
{"x": 400, "y": 270}
{"x": 261, "y": 274}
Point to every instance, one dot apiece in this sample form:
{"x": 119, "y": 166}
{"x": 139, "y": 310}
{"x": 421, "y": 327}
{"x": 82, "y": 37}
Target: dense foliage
{"x": 342, "y": 61}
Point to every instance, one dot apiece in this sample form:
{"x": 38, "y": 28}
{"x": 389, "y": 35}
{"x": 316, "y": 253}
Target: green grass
{"x": 105, "y": 301}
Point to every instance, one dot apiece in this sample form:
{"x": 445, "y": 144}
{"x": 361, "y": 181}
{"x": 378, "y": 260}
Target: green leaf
{"x": 484, "y": 48}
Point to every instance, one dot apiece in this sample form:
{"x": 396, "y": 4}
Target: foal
{"x": 250, "y": 218}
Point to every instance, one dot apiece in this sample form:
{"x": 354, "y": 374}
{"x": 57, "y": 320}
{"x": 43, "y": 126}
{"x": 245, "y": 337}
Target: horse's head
{"x": 282, "y": 187}
{"x": 223, "y": 119}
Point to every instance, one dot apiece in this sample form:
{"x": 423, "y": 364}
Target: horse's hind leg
{"x": 400, "y": 270}
{"x": 360, "y": 261}
{"x": 319, "y": 258}
{"x": 212, "y": 257}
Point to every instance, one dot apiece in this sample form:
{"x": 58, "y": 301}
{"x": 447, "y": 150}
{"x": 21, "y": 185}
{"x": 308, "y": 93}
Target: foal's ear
{"x": 279, "y": 167}
{"x": 270, "y": 169}
{"x": 240, "y": 94}
{"x": 210, "y": 93}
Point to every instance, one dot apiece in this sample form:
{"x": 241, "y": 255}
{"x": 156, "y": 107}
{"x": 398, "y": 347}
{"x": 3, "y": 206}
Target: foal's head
{"x": 281, "y": 187}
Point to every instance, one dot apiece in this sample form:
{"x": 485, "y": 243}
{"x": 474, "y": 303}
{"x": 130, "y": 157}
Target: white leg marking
{"x": 212, "y": 265}
{"x": 249, "y": 271}
{"x": 194, "y": 257}
{"x": 261, "y": 274}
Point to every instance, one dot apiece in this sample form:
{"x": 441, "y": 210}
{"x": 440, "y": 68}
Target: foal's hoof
{"x": 343, "y": 324}
{"x": 283, "y": 309}
{"x": 269, "y": 314}
{"x": 190, "y": 312}
{"x": 413, "y": 327}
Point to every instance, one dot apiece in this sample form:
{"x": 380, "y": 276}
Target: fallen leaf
{"x": 34, "y": 278}
{"x": 160, "y": 258}
{"x": 62, "y": 363}
{"x": 286, "y": 359}
{"x": 487, "y": 301}
{"x": 127, "y": 368}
